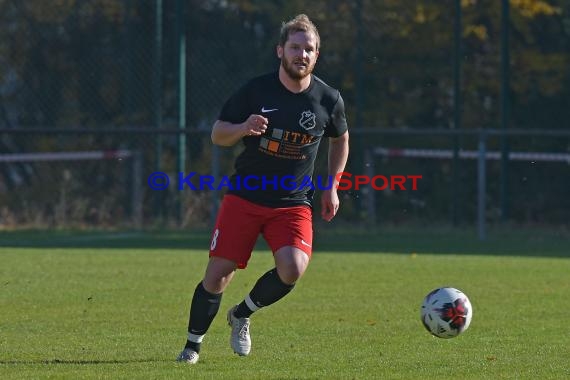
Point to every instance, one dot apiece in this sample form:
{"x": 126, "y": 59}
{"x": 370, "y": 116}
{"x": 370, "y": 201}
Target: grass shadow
{"x": 76, "y": 362}
{"x": 508, "y": 241}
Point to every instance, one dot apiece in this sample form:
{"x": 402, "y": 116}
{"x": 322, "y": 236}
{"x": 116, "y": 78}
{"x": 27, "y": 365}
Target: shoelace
{"x": 244, "y": 330}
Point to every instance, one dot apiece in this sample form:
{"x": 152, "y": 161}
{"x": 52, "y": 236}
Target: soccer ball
{"x": 446, "y": 312}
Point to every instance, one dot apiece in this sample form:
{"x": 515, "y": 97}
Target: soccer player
{"x": 281, "y": 118}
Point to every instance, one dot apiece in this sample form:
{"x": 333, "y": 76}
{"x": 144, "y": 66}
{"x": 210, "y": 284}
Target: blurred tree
{"x": 68, "y": 63}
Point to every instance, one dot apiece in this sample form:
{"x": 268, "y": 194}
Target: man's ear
{"x": 279, "y": 51}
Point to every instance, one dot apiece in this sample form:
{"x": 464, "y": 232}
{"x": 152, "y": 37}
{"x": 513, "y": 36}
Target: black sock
{"x": 267, "y": 290}
{"x": 204, "y": 308}
{"x": 193, "y": 346}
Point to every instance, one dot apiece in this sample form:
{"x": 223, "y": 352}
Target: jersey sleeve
{"x": 236, "y": 108}
{"x": 337, "y": 125}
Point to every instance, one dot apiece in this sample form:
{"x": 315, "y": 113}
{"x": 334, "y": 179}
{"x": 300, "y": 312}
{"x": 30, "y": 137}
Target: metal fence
{"x": 126, "y": 88}
{"x": 101, "y": 179}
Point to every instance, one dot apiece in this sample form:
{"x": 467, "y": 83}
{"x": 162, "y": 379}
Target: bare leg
{"x": 291, "y": 263}
{"x": 219, "y": 273}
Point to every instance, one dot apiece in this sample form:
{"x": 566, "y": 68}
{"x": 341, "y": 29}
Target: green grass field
{"x": 103, "y": 305}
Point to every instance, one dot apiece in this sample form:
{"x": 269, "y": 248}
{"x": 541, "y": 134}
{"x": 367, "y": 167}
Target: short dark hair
{"x": 300, "y": 23}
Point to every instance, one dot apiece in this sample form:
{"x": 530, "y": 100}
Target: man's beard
{"x": 293, "y": 72}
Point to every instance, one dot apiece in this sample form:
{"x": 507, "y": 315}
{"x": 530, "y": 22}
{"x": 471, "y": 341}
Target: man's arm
{"x": 338, "y": 155}
{"x": 227, "y": 134}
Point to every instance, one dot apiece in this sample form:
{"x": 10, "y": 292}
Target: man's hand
{"x": 329, "y": 204}
{"x": 255, "y": 125}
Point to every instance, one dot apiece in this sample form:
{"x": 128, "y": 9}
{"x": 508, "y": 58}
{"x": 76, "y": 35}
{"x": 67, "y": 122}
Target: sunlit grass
{"x": 122, "y": 313}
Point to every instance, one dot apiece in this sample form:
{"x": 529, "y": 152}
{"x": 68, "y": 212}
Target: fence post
{"x": 368, "y": 191}
{"x": 481, "y": 185}
{"x": 137, "y": 190}
{"x": 505, "y": 108}
{"x": 181, "y": 137}
{"x": 157, "y": 99}
{"x": 457, "y": 108}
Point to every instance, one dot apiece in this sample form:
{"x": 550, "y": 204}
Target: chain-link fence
{"x": 107, "y": 76}
{"x": 93, "y": 179}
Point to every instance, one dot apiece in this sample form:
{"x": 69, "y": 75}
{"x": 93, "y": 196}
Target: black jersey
{"x": 274, "y": 168}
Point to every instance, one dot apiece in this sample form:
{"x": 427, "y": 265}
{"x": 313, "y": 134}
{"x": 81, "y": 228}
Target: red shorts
{"x": 240, "y": 222}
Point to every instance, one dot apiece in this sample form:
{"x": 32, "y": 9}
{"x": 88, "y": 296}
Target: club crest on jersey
{"x": 308, "y": 120}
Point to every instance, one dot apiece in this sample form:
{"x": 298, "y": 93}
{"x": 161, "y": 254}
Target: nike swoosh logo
{"x": 305, "y": 243}
{"x": 263, "y": 109}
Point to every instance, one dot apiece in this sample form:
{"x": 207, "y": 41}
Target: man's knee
{"x": 218, "y": 275}
{"x": 290, "y": 274}
{"x": 291, "y": 263}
